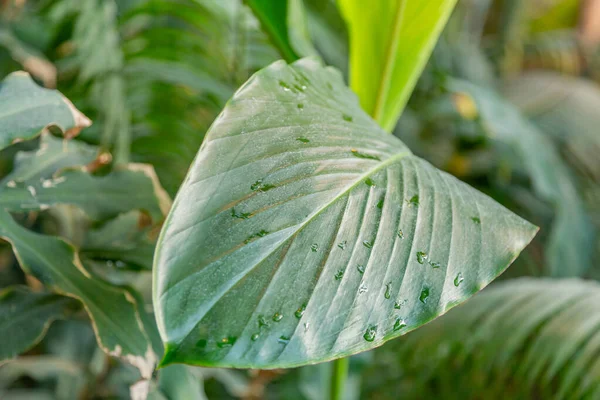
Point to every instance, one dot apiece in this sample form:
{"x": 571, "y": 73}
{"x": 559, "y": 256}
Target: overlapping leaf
{"x": 113, "y": 310}
{"x": 521, "y": 339}
{"x": 28, "y": 108}
{"x": 25, "y": 316}
{"x": 304, "y": 233}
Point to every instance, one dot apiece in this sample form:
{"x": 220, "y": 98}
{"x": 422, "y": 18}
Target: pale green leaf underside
{"x": 295, "y": 190}
{"x": 26, "y": 109}
{"x": 25, "y": 316}
{"x": 538, "y": 337}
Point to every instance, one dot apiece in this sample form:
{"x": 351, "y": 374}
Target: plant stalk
{"x": 339, "y": 373}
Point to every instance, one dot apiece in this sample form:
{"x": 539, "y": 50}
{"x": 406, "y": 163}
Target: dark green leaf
{"x": 275, "y": 289}
{"x": 25, "y": 317}
{"x": 113, "y": 310}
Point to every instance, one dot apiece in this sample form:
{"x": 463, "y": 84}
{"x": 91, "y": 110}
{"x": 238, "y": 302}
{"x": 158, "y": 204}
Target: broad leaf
{"x": 304, "y": 233}
{"x": 134, "y": 186}
{"x": 28, "y": 108}
{"x": 390, "y": 43}
{"x": 285, "y": 22}
{"x": 522, "y": 339}
{"x": 25, "y": 317}
{"x": 113, "y": 310}
{"x": 571, "y": 240}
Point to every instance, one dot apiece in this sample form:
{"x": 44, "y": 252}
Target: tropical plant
{"x": 301, "y": 231}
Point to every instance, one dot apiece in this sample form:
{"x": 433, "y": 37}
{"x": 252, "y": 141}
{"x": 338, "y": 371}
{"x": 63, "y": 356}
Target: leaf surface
{"x": 303, "y": 232}
{"x": 113, "y": 310}
{"x": 25, "y": 317}
{"x": 26, "y": 109}
{"x": 390, "y": 43}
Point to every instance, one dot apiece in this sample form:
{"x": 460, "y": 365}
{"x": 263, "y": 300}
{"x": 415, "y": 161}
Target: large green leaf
{"x": 522, "y": 339}
{"x": 113, "y": 310}
{"x": 571, "y": 239}
{"x": 304, "y": 233}
{"x": 25, "y": 317}
{"x": 28, "y": 108}
{"x": 390, "y": 43}
{"x": 134, "y": 186}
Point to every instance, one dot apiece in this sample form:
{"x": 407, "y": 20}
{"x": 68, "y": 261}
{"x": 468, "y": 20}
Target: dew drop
{"x": 388, "y": 290}
{"x": 360, "y": 268}
{"x": 399, "y": 324}
{"x": 262, "y": 322}
{"x": 277, "y": 317}
{"x": 458, "y": 279}
{"x": 283, "y": 339}
{"x": 347, "y": 118}
{"x": 285, "y": 86}
{"x": 339, "y": 275}
{"x": 365, "y": 156}
{"x": 300, "y": 311}
{"x": 398, "y": 304}
{"x": 342, "y": 245}
{"x": 424, "y": 295}
{"x": 362, "y": 289}
{"x": 255, "y": 337}
{"x": 306, "y": 326}
{"x": 370, "y": 333}
{"x": 262, "y": 233}
{"x": 260, "y": 186}
{"x": 434, "y": 265}
{"x": 369, "y": 182}
{"x": 302, "y": 139}
{"x": 314, "y": 247}
{"x": 300, "y": 106}
{"x": 421, "y": 257}
{"x": 368, "y": 244}
{"x": 240, "y": 215}
{"x": 380, "y": 204}
{"x": 414, "y": 201}
{"x": 226, "y": 342}
{"x": 476, "y": 220}
{"x": 401, "y": 234}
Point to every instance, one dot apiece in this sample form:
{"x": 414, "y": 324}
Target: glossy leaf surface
{"x": 25, "y": 317}
{"x": 303, "y": 232}
{"x": 26, "y": 109}
{"x": 390, "y": 43}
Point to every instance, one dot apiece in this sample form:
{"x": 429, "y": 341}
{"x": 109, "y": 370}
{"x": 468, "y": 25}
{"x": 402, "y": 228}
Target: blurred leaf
{"x": 134, "y": 186}
{"x": 285, "y": 22}
{"x": 113, "y": 310}
{"x": 177, "y": 382}
{"x": 127, "y": 239}
{"x": 27, "y": 109}
{"x": 298, "y": 228}
{"x": 52, "y": 155}
{"x": 390, "y": 42}
{"x": 569, "y": 248}
{"x": 565, "y": 107}
{"x": 521, "y": 339}
{"x": 25, "y": 317}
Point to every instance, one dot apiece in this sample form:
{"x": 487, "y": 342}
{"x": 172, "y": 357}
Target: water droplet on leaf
{"x": 226, "y": 342}
{"x": 360, "y": 268}
{"x": 370, "y": 333}
{"x": 300, "y": 106}
{"x": 401, "y": 234}
{"x": 277, "y": 317}
{"x": 476, "y": 220}
{"x": 458, "y": 279}
{"x": 300, "y": 311}
{"x": 399, "y": 324}
{"x": 314, "y": 247}
{"x": 380, "y": 204}
{"x": 283, "y": 339}
{"x": 365, "y": 156}
{"x": 285, "y": 86}
{"x": 369, "y": 182}
{"x": 368, "y": 244}
{"x": 388, "y": 290}
{"x": 424, "y": 295}
{"x": 362, "y": 289}
{"x": 414, "y": 201}
{"x": 339, "y": 275}
{"x": 255, "y": 337}
{"x": 302, "y": 139}
{"x": 240, "y": 215}
{"x": 434, "y": 264}
{"x": 421, "y": 257}
{"x": 347, "y": 118}
{"x": 342, "y": 245}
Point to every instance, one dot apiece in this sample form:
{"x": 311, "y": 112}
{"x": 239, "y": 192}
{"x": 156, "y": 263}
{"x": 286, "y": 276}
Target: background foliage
{"x": 508, "y": 103}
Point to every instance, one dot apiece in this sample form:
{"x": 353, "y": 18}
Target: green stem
{"x": 339, "y": 373}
